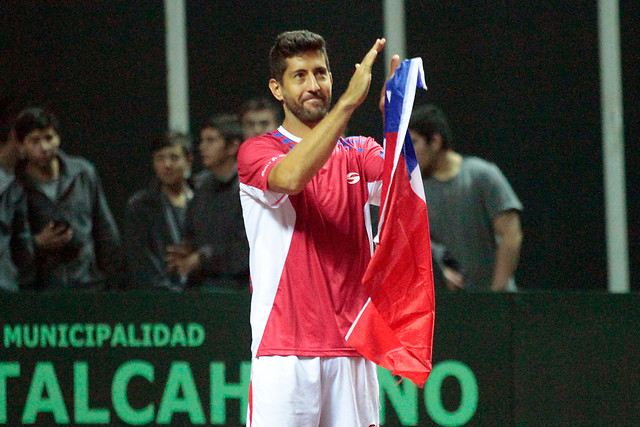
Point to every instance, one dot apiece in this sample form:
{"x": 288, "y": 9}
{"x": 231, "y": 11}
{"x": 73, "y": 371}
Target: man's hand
{"x": 454, "y": 280}
{"x": 181, "y": 260}
{"x": 361, "y": 80}
{"x": 395, "y": 63}
{"x": 53, "y": 236}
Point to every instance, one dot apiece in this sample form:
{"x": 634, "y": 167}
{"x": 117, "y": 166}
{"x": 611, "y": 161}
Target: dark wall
{"x": 101, "y": 67}
{"x": 520, "y": 84}
{"x": 229, "y": 49}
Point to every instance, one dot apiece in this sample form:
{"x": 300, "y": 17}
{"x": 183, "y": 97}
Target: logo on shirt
{"x": 353, "y": 177}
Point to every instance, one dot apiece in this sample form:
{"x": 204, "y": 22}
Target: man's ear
{"x": 436, "y": 142}
{"x": 233, "y": 146}
{"x": 13, "y": 138}
{"x": 189, "y": 158}
{"x": 276, "y": 89}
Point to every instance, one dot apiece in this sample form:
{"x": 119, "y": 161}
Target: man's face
{"x": 426, "y": 152}
{"x": 213, "y": 149}
{"x": 306, "y": 87}
{"x": 40, "y": 146}
{"x": 170, "y": 165}
{"x": 258, "y": 122}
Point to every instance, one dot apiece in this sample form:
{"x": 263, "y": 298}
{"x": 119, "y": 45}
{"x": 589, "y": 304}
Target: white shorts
{"x": 313, "y": 391}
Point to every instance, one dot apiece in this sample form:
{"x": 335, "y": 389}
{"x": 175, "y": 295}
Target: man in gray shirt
{"x": 473, "y": 211}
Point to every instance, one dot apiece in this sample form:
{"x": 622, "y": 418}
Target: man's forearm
{"x": 507, "y": 257}
{"x": 294, "y": 172}
{"x": 301, "y": 164}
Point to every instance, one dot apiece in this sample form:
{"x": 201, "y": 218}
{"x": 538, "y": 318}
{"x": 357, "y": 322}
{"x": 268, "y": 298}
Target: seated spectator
{"x": 259, "y": 116}
{"x": 76, "y": 239}
{"x": 215, "y": 252}
{"x": 154, "y": 217}
{"x": 16, "y": 247}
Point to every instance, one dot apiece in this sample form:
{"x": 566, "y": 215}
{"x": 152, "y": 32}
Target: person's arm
{"x": 451, "y": 277}
{"x": 106, "y": 237}
{"x": 183, "y": 259}
{"x": 22, "y": 250}
{"x": 507, "y": 228}
{"x": 300, "y": 165}
{"x": 145, "y": 270}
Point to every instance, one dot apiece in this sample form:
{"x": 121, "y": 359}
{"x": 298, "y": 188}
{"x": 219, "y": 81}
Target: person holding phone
{"x": 76, "y": 238}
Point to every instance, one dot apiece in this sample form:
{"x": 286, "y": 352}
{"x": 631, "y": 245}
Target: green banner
{"x": 180, "y": 359}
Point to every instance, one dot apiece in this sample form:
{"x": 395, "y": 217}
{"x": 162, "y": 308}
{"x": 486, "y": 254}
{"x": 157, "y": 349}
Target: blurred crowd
{"x": 185, "y": 230}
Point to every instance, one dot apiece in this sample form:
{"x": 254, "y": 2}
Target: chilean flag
{"x": 395, "y": 326}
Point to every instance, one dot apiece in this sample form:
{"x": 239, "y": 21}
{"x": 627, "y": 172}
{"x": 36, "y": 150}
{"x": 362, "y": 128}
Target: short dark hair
{"x": 258, "y": 104}
{"x": 430, "y": 119}
{"x": 294, "y": 43}
{"x": 172, "y": 139}
{"x": 228, "y": 125}
{"x": 34, "y": 118}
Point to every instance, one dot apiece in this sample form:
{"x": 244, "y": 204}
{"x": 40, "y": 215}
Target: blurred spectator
{"x": 215, "y": 252}
{"x": 259, "y": 116}
{"x": 154, "y": 217}
{"x": 76, "y": 239}
{"x": 473, "y": 211}
{"x": 16, "y": 247}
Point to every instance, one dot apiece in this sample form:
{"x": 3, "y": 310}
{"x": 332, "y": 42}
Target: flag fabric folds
{"x": 394, "y": 329}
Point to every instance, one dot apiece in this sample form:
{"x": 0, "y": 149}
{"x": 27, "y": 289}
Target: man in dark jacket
{"x": 215, "y": 252}
{"x": 76, "y": 238}
{"x": 16, "y": 247}
{"x": 154, "y": 217}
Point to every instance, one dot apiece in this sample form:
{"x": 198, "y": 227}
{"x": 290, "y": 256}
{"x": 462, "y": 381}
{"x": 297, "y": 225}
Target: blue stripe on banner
{"x": 396, "y": 90}
{"x": 409, "y": 154}
{"x": 394, "y": 95}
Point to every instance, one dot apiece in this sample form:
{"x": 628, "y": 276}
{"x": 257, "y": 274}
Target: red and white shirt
{"x": 309, "y": 251}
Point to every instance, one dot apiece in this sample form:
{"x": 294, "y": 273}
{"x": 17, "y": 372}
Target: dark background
{"x": 520, "y": 84}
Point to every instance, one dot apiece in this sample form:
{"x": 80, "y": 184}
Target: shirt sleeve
{"x": 256, "y": 158}
{"x": 497, "y": 192}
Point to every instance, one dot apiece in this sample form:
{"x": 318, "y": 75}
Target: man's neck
{"x": 178, "y": 194}
{"x": 224, "y": 171}
{"x": 447, "y": 166}
{"x": 49, "y": 172}
{"x": 295, "y": 126}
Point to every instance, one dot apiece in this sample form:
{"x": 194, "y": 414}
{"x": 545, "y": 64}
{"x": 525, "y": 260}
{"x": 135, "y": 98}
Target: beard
{"x": 309, "y": 117}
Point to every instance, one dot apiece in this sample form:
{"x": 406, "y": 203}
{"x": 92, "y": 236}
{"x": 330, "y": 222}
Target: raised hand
{"x": 361, "y": 80}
